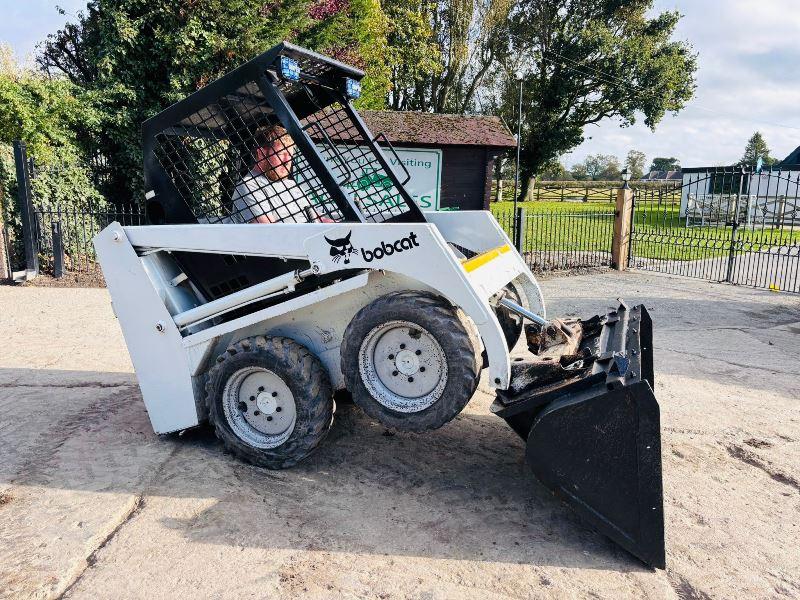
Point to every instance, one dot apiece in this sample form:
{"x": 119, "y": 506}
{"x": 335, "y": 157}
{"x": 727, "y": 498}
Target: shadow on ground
{"x": 462, "y": 492}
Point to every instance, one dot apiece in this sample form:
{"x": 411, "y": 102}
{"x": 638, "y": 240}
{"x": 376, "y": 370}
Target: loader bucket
{"x": 593, "y": 438}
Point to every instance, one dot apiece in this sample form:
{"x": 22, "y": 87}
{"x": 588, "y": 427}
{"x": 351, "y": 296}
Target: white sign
{"x": 423, "y": 165}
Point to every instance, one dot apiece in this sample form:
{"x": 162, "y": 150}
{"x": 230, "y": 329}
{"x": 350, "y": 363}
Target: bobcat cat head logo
{"x": 341, "y": 248}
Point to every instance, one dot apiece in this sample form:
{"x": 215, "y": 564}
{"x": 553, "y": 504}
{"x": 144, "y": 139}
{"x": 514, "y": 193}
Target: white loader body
{"x": 174, "y": 335}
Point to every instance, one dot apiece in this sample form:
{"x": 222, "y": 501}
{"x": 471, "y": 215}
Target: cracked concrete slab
{"x": 93, "y": 504}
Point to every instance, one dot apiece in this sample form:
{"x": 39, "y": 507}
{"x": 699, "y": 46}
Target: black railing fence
{"x": 64, "y": 234}
{"x": 732, "y": 224}
{"x": 59, "y": 220}
{"x": 559, "y": 240}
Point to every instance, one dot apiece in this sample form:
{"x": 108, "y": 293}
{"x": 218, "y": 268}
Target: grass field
{"x": 659, "y": 232}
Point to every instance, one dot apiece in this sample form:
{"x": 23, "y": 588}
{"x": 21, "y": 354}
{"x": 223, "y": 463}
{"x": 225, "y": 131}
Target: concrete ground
{"x": 93, "y": 504}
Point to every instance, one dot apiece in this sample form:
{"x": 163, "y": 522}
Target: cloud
{"x": 746, "y": 81}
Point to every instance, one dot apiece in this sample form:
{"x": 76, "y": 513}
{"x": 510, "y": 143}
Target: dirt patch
{"x": 93, "y": 278}
{"x": 5, "y": 499}
{"x": 756, "y": 443}
{"x": 685, "y": 590}
{"x": 751, "y": 459}
{"x": 557, "y": 273}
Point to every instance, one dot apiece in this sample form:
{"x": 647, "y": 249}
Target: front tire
{"x": 410, "y": 360}
{"x": 270, "y": 401}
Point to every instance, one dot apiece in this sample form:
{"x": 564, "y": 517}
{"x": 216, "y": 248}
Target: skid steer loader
{"x": 286, "y": 260}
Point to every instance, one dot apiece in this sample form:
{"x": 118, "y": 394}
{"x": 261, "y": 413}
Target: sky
{"x": 746, "y": 80}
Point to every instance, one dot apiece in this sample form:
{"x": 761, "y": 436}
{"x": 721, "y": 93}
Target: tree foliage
{"x": 444, "y": 51}
{"x": 597, "y": 167}
{"x": 47, "y": 115}
{"x": 134, "y": 58}
{"x": 661, "y": 163}
{"x": 584, "y": 61}
{"x": 635, "y": 162}
{"x": 757, "y": 148}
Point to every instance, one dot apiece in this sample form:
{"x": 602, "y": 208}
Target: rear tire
{"x": 270, "y": 401}
{"x": 410, "y": 360}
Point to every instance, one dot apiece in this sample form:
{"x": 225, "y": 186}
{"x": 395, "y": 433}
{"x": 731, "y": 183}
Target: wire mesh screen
{"x": 355, "y": 164}
{"x": 231, "y": 163}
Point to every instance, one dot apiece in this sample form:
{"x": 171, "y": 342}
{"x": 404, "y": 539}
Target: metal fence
{"x": 64, "y": 234}
{"x": 559, "y": 240}
{"x": 57, "y": 230}
{"x": 732, "y": 224}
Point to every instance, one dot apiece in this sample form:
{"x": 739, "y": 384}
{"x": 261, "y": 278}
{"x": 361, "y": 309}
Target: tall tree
{"x": 757, "y": 148}
{"x": 661, "y": 163}
{"x": 134, "y": 58}
{"x": 468, "y": 38}
{"x": 584, "y": 61}
{"x": 635, "y": 162}
{"x": 413, "y": 52}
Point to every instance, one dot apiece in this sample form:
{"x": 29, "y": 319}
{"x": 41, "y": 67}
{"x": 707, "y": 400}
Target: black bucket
{"x": 594, "y": 438}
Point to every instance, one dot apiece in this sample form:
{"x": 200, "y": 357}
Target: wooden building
{"x": 468, "y": 145}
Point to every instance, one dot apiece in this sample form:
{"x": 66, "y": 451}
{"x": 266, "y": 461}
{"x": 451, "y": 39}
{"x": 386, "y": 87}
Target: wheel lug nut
{"x": 394, "y": 373}
{"x": 252, "y": 398}
{"x": 278, "y": 409}
{"x": 422, "y": 369}
{"x": 256, "y": 413}
{"x": 274, "y": 394}
{"x": 391, "y": 357}
{"x": 261, "y": 388}
{"x": 402, "y": 346}
{"x": 269, "y": 418}
{"x": 410, "y": 380}
{"x": 242, "y": 407}
{"x": 418, "y": 352}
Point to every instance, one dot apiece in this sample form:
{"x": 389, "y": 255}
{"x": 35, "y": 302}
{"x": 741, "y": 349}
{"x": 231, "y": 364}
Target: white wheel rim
{"x": 259, "y": 407}
{"x": 403, "y": 366}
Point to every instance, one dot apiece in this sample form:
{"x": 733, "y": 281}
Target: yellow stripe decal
{"x": 483, "y": 258}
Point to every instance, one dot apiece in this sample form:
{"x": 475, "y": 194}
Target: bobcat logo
{"x": 341, "y": 248}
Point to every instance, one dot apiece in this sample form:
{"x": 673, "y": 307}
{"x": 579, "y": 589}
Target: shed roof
{"x": 663, "y": 176}
{"x": 429, "y": 129}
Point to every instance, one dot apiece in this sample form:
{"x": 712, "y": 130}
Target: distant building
{"x": 662, "y": 176}
{"x": 792, "y": 159}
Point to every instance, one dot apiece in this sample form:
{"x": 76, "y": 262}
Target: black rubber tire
{"x": 452, "y": 331}
{"x": 510, "y": 324}
{"x": 305, "y": 376}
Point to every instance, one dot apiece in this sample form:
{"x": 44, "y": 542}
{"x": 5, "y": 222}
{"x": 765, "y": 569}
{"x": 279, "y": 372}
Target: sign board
{"x": 423, "y": 165}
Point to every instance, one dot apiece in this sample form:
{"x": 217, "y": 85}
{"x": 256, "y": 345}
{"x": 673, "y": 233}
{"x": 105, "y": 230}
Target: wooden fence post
{"x": 621, "y": 242}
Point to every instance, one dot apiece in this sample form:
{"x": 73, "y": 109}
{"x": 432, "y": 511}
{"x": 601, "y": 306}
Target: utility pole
{"x": 519, "y": 141}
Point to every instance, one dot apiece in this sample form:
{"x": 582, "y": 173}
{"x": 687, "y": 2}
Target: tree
{"x": 132, "y": 59}
{"x": 597, "y": 167}
{"x": 665, "y": 164}
{"x": 584, "y": 61}
{"x": 579, "y": 172}
{"x": 635, "y": 162}
{"x": 413, "y": 52}
{"x": 468, "y": 38}
{"x": 555, "y": 171}
{"x": 757, "y": 148}
{"x": 46, "y": 115}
